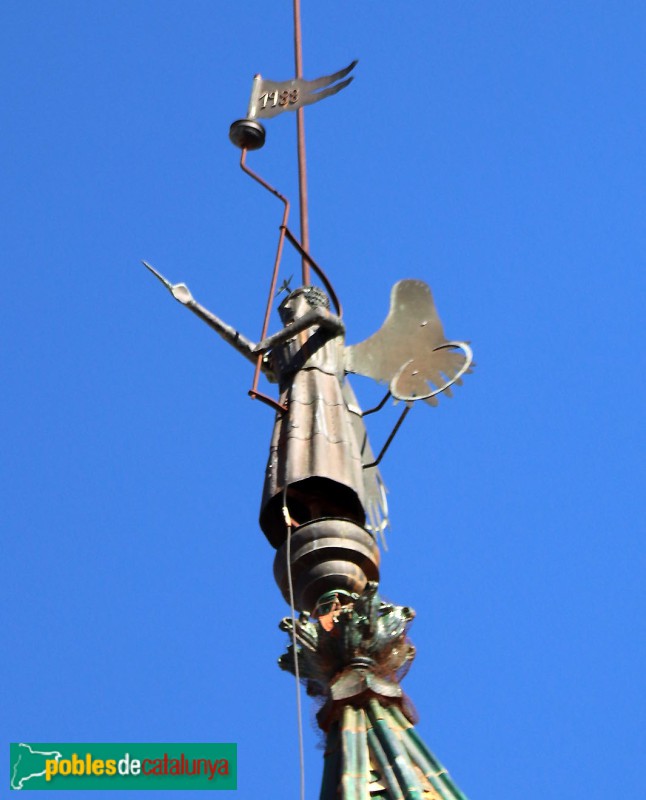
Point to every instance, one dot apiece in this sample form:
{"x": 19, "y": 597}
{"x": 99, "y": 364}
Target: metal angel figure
{"x": 320, "y": 461}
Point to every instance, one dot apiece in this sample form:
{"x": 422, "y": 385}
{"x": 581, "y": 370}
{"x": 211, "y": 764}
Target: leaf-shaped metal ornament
{"x": 410, "y": 352}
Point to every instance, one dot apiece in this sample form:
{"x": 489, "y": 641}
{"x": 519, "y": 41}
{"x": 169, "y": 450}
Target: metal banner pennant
{"x": 269, "y": 98}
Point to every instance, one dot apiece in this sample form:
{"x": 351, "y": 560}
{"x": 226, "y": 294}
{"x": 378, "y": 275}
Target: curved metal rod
{"x": 253, "y": 392}
{"x": 393, "y": 433}
{"x": 319, "y": 271}
{"x": 468, "y": 352}
{"x": 445, "y": 345}
{"x": 378, "y": 407}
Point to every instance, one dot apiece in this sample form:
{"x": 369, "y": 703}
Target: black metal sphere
{"x": 247, "y": 134}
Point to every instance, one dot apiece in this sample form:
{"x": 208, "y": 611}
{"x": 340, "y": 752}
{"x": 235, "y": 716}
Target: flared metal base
{"x": 353, "y": 653}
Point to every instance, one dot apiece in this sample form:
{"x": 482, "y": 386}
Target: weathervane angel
{"x": 323, "y": 501}
{"x": 320, "y": 459}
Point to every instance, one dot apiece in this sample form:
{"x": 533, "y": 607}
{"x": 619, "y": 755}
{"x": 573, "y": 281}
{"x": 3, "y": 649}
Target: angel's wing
{"x": 410, "y": 352}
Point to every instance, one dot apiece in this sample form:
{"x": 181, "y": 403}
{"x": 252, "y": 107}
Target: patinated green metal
{"x": 372, "y": 751}
{"x": 353, "y": 655}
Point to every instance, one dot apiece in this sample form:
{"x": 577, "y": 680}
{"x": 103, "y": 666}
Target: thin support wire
{"x": 297, "y": 675}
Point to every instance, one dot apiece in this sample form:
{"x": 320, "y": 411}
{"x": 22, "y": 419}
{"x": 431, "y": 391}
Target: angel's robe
{"x": 318, "y": 446}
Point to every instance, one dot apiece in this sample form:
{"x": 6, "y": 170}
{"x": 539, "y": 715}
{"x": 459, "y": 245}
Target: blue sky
{"x": 495, "y": 150}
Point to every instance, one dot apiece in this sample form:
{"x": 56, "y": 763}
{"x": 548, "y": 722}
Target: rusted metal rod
{"x": 300, "y": 143}
{"x": 318, "y": 269}
{"x": 253, "y": 392}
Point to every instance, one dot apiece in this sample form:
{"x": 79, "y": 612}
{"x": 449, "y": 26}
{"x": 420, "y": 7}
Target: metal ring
{"x": 444, "y": 346}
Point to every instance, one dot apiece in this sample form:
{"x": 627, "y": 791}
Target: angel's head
{"x": 300, "y": 301}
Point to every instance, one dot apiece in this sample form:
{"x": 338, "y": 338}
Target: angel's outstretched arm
{"x": 182, "y": 294}
{"x": 315, "y": 316}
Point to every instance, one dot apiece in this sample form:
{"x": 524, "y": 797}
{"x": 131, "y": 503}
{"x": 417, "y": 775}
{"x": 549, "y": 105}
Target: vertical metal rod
{"x": 300, "y": 144}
